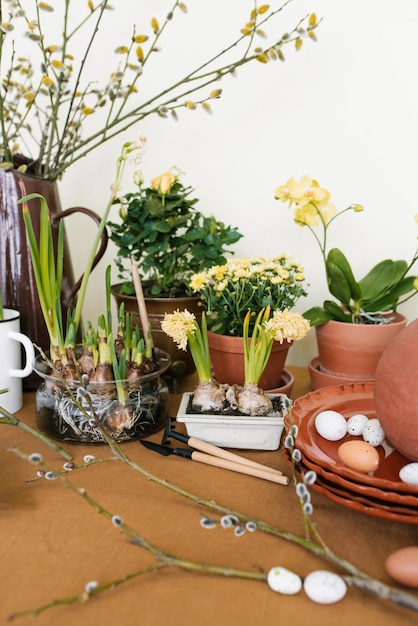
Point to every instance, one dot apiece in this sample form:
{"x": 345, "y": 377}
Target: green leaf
{"x": 336, "y": 312}
{"x": 162, "y": 226}
{"x": 317, "y": 316}
{"x": 338, "y": 284}
{"x": 389, "y": 300}
{"x": 381, "y": 278}
{"x": 338, "y": 259}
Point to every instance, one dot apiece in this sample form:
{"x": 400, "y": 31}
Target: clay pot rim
{"x": 400, "y": 318}
{"x": 115, "y": 290}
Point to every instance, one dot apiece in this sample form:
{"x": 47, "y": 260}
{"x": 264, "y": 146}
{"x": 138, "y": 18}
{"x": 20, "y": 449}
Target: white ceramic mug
{"x": 11, "y": 372}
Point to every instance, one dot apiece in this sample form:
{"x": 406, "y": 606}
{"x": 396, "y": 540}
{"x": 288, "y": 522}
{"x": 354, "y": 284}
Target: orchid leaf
{"x": 338, "y": 259}
{"x": 388, "y": 300}
{"x": 338, "y": 284}
{"x": 381, "y": 278}
{"x": 336, "y": 312}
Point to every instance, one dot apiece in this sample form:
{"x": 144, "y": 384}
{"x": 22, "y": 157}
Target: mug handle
{"x": 103, "y": 241}
{"x": 30, "y": 354}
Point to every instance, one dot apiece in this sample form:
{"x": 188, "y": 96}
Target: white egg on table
{"x": 409, "y": 473}
{"x": 324, "y": 587}
{"x": 284, "y": 581}
{"x": 331, "y": 425}
{"x": 373, "y": 433}
{"x": 356, "y": 423}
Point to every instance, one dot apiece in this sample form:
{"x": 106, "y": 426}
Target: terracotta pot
{"x": 395, "y": 392}
{"x": 16, "y": 274}
{"x": 353, "y": 350}
{"x": 227, "y": 356}
{"x": 182, "y": 362}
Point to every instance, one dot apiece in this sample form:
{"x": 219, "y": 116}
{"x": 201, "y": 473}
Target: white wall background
{"x": 343, "y": 109}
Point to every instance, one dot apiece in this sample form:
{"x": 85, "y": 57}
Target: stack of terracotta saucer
{"x": 382, "y": 493}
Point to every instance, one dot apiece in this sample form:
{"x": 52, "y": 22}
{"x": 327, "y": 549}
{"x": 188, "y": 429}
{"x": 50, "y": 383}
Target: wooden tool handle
{"x": 209, "y": 448}
{"x": 239, "y": 467}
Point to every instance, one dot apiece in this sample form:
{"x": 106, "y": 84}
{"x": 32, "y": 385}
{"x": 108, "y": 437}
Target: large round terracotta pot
{"x": 227, "y": 356}
{"x": 16, "y": 274}
{"x": 354, "y": 350}
{"x": 182, "y": 362}
{"x": 396, "y": 391}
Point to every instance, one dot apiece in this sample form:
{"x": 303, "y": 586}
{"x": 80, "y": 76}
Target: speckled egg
{"x": 324, "y": 587}
{"x": 373, "y": 433}
{"x": 356, "y": 423}
{"x": 402, "y": 566}
{"x": 359, "y": 455}
{"x": 331, "y": 425}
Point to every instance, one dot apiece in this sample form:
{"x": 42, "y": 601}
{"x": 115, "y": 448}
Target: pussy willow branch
{"x": 354, "y": 577}
{"x": 12, "y": 420}
{"x": 85, "y": 595}
{"x": 163, "y": 558}
{"x": 121, "y": 123}
{"x": 70, "y": 116}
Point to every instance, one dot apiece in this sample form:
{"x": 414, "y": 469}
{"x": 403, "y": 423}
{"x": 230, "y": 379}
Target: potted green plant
{"x": 241, "y": 286}
{"x": 352, "y": 331}
{"x": 163, "y": 233}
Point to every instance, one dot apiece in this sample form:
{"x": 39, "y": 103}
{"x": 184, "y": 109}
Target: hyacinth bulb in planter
{"x": 232, "y": 415}
{"x": 353, "y": 330}
{"x": 110, "y": 386}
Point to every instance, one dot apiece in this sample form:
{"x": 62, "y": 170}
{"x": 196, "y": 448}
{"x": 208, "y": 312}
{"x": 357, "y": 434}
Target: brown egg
{"x": 402, "y": 566}
{"x": 359, "y": 455}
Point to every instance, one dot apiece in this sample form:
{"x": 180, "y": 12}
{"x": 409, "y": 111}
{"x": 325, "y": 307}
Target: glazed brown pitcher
{"x": 16, "y": 274}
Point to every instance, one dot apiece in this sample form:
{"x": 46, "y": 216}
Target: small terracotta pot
{"x": 227, "y": 356}
{"x": 354, "y": 350}
{"x": 395, "y": 392}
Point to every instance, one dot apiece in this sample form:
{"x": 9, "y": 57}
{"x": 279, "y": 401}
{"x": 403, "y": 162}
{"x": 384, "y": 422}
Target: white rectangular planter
{"x": 233, "y": 431}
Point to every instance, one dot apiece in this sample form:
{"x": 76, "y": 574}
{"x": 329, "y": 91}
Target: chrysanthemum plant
{"x": 52, "y": 114}
{"x": 365, "y": 301}
{"x": 229, "y": 291}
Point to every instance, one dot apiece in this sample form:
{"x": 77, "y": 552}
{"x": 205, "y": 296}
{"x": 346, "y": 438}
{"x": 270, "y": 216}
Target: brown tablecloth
{"x": 52, "y": 542}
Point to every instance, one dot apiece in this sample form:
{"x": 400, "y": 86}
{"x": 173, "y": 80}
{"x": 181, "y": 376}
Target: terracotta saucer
{"x": 320, "y": 378}
{"x": 368, "y": 509}
{"x": 348, "y": 400}
{"x": 371, "y": 505}
{"x": 368, "y": 506}
{"x": 393, "y": 497}
{"x": 287, "y": 381}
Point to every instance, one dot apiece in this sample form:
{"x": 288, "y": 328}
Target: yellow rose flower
{"x": 163, "y": 182}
